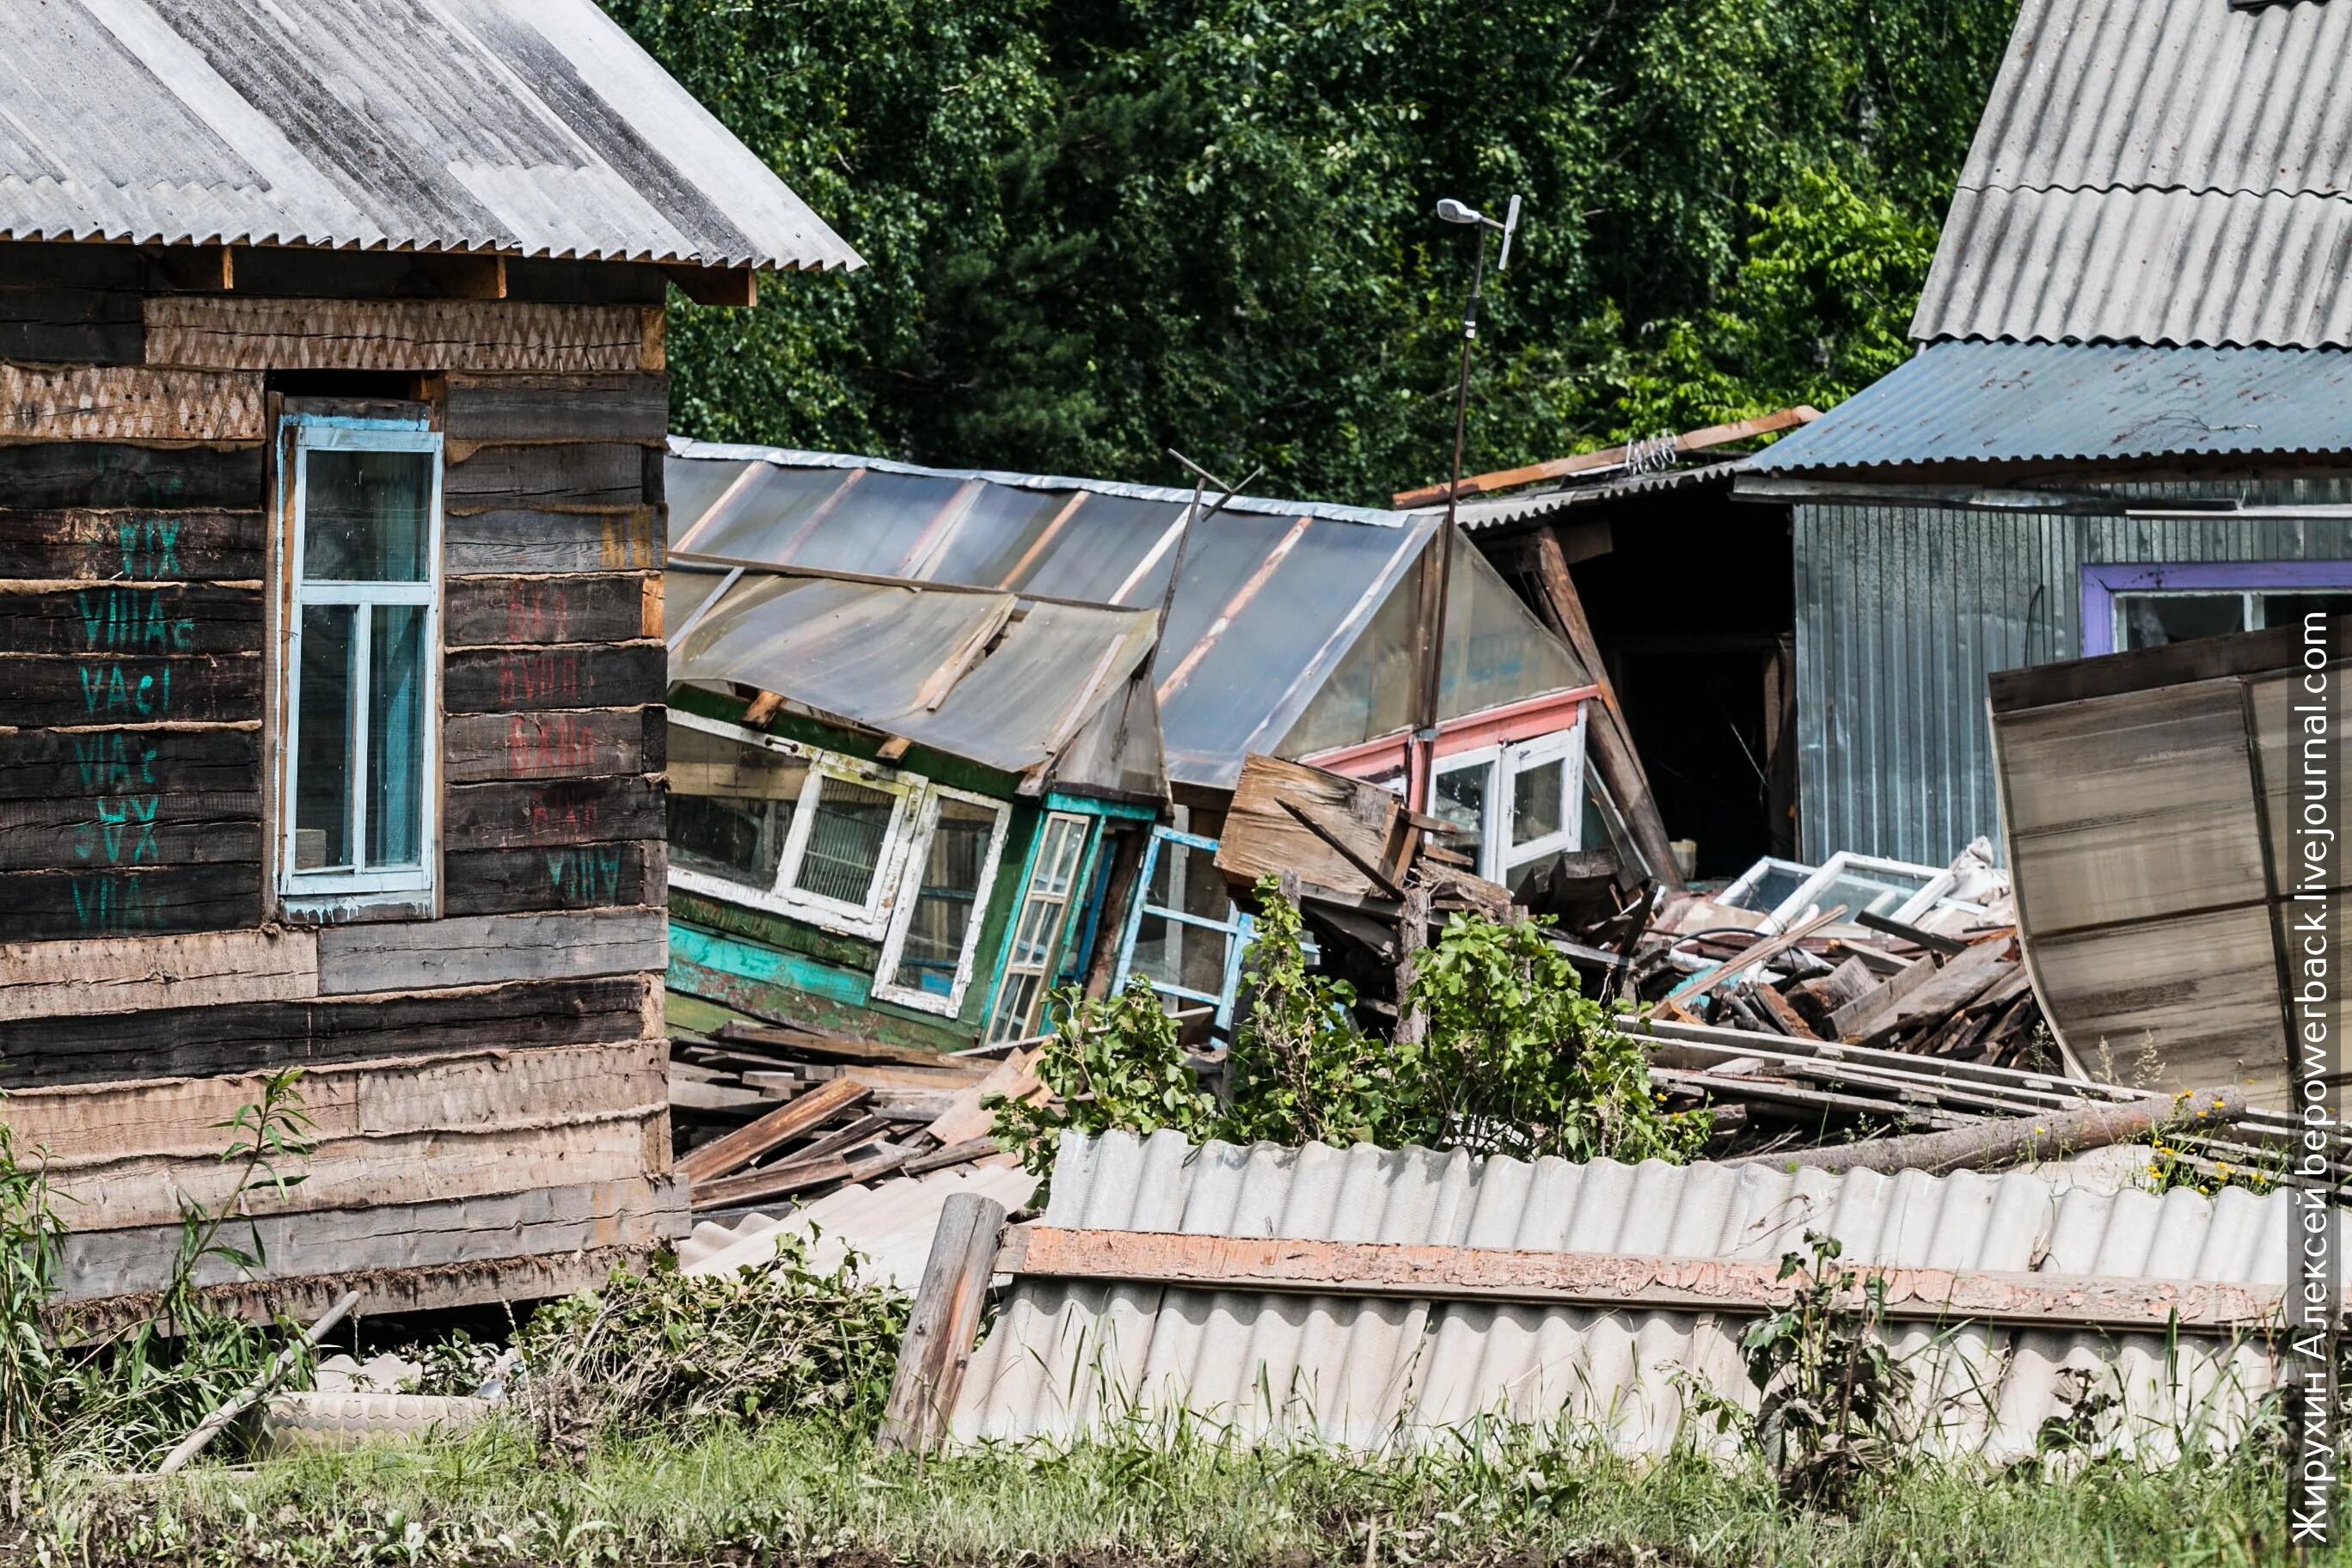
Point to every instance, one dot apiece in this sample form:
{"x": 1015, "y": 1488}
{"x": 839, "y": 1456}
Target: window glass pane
{"x": 1012, "y": 1005}
{"x": 1876, "y": 892}
{"x": 2288, "y": 609}
{"x": 1171, "y": 954}
{"x": 2152, "y": 620}
{"x": 1773, "y": 888}
{"x": 395, "y": 736}
{"x": 1538, "y": 798}
{"x": 366, "y": 516}
{"x": 322, "y": 770}
{"x": 845, "y": 842}
{"x": 1058, "y": 857}
{"x": 950, "y": 894}
{"x": 1186, "y": 878}
{"x": 1460, "y": 797}
{"x": 731, "y": 805}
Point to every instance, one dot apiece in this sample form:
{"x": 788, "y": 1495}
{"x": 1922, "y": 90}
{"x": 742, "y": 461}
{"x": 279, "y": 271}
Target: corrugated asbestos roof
{"x": 1273, "y": 595}
{"x": 888, "y": 1225}
{"x": 1958, "y": 403}
{"x": 2173, "y": 173}
{"x": 524, "y": 127}
{"x": 1523, "y": 506}
{"x": 1068, "y": 1357}
{"x": 989, "y": 676}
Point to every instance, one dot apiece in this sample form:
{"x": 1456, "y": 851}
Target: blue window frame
{"x": 1184, "y": 933}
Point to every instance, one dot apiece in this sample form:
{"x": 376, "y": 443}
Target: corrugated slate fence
{"x": 1592, "y": 1295}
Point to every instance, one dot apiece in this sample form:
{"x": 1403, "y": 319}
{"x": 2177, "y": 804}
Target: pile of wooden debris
{"x": 762, "y": 1113}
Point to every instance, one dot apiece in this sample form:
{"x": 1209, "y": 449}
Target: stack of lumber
{"x": 765, "y": 1113}
{"x": 1871, "y": 982}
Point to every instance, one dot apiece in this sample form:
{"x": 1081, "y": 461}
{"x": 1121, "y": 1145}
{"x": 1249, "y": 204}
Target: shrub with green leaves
{"x": 1515, "y": 1059}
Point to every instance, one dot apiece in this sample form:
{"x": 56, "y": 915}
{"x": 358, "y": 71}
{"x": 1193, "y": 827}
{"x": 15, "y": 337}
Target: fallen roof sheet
{"x": 1977, "y": 403}
{"x": 1274, "y": 593}
{"x": 2156, "y": 173}
{"x": 888, "y": 1225}
{"x": 1525, "y": 505}
{"x": 989, "y": 676}
{"x": 522, "y": 127}
{"x": 1068, "y": 1357}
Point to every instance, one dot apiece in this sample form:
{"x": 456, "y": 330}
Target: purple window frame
{"x": 2102, "y": 583}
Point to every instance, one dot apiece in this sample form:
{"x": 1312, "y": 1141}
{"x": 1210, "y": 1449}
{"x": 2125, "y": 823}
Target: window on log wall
{"x": 361, "y": 656}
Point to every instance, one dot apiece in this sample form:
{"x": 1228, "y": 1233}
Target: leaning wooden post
{"x": 1412, "y": 936}
{"x": 939, "y": 1342}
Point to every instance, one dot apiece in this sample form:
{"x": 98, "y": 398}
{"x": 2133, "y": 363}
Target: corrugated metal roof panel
{"x": 2156, "y": 173}
{"x": 525, "y": 127}
{"x": 1272, "y": 595}
{"x": 2002, "y": 402}
{"x": 1520, "y": 506}
{"x": 888, "y": 1225}
{"x": 944, "y": 670}
{"x": 1067, "y": 1358}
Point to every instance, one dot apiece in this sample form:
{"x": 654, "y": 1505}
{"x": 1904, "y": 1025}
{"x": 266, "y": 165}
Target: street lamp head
{"x": 1452, "y": 211}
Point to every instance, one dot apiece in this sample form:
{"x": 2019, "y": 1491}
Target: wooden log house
{"x": 332, "y": 396}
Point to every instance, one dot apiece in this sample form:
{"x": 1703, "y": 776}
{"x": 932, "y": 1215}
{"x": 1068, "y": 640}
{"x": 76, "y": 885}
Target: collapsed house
{"x": 333, "y": 344}
{"x": 1089, "y": 663}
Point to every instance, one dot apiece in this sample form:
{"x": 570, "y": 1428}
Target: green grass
{"x": 796, "y": 1491}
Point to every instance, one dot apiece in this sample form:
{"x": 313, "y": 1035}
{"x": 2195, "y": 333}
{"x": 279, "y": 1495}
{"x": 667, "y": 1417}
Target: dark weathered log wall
{"x": 142, "y": 939}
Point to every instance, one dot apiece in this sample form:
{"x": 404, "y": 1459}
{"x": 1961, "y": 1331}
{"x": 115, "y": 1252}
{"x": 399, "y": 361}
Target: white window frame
{"x": 872, "y": 918}
{"x": 1563, "y": 746}
{"x": 1748, "y": 881}
{"x": 301, "y": 435}
{"x": 910, "y": 887}
{"x": 1940, "y": 880}
{"x": 1497, "y": 855}
{"x": 1018, "y": 1025}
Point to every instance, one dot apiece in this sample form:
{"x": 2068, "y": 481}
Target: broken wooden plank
{"x": 936, "y": 1347}
{"x": 1860, "y": 1017}
{"x": 790, "y": 1176}
{"x": 134, "y": 973}
{"x": 1015, "y": 1078}
{"x": 1421, "y": 1272}
{"x": 1754, "y": 957}
{"x": 2019, "y": 1140}
{"x": 745, "y": 1145}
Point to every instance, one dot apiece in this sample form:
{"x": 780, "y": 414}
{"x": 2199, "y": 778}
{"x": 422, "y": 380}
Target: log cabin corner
{"x": 331, "y": 422}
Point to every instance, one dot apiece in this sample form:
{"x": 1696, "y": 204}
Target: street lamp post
{"x": 1430, "y": 655}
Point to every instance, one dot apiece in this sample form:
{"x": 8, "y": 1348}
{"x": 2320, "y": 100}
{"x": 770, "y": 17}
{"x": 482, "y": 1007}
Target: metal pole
{"x": 1422, "y": 777}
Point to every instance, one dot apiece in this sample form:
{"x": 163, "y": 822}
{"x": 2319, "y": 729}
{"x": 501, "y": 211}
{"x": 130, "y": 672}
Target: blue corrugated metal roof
{"x": 2009, "y": 402}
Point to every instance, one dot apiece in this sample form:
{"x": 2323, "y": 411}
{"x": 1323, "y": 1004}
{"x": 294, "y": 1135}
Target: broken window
{"x": 1513, "y": 807}
{"x": 364, "y": 499}
{"x": 927, "y": 958}
{"x": 762, "y": 820}
{"x": 1038, "y": 932}
{"x": 1184, "y": 936}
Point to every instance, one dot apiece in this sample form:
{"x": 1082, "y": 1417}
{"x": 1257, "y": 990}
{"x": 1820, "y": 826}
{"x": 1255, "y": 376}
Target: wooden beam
{"x": 937, "y": 1348}
{"x": 1706, "y": 980}
{"x": 1610, "y": 737}
{"x": 199, "y": 268}
{"x": 734, "y": 286}
{"x": 1613, "y": 1280}
{"x": 2013, "y": 1140}
{"x": 745, "y": 1145}
{"x": 462, "y": 274}
{"x": 1611, "y": 456}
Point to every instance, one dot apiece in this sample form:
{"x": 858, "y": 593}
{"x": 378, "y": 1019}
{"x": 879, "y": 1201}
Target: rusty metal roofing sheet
{"x": 978, "y": 675}
{"x": 888, "y": 1225}
{"x": 2156, "y": 173}
{"x": 2001, "y": 402}
{"x": 523, "y": 127}
{"x": 1069, "y": 1357}
{"x": 1272, "y": 595}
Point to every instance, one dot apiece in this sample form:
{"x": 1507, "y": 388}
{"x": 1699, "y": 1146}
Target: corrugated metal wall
{"x": 1903, "y": 611}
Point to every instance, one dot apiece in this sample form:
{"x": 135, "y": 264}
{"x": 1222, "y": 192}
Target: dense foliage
{"x": 1092, "y": 230}
{"x": 1513, "y": 1059}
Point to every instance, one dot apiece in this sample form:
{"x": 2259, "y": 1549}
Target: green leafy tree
{"x": 1100, "y": 228}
